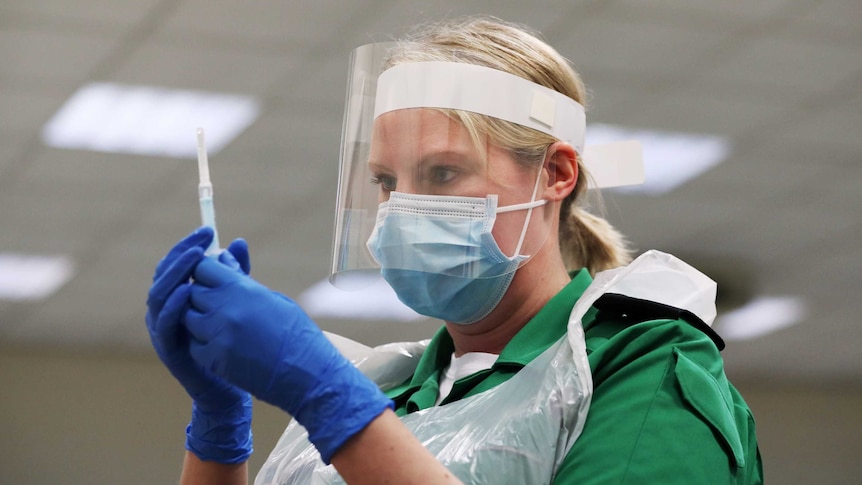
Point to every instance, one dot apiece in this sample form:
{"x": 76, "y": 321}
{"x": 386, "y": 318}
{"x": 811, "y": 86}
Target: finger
{"x": 177, "y": 273}
{"x": 211, "y": 273}
{"x": 168, "y": 329}
{"x": 226, "y": 258}
{"x": 203, "y": 356}
{"x": 200, "y": 328}
{"x": 239, "y": 249}
{"x": 200, "y": 237}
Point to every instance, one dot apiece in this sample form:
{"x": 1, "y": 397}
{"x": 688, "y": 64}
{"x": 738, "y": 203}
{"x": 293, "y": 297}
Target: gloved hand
{"x": 263, "y": 342}
{"x": 220, "y": 428}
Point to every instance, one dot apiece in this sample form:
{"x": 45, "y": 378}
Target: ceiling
{"x": 780, "y": 217}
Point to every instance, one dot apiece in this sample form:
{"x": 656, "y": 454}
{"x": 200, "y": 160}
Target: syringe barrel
{"x": 205, "y": 193}
{"x": 208, "y": 219}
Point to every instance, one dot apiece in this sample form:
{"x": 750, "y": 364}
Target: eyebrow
{"x": 372, "y": 164}
{"x": 439, "y": 156}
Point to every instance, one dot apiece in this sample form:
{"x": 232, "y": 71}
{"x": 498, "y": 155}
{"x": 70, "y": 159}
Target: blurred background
{"x": 750, "y": 113}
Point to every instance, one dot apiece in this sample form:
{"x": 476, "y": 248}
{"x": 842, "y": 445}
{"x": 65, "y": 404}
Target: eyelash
{"x": 381, "y": 180}
{"x": 389, "y": 183}
{"x": 448, "y": 173}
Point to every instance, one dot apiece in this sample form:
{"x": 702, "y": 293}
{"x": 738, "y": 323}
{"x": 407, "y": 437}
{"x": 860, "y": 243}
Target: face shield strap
{"x": 455, "y": 85}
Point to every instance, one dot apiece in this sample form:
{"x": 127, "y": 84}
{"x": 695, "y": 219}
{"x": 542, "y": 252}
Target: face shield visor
{"x": 428, "y": 183}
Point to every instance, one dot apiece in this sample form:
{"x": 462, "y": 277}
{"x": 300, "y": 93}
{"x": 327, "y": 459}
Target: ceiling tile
{"x": 42, "y": 55}
{"x": 113, "y": 174}
{"x": 10, "y": 150}
{"x": 804, "y": 68}
{"x": 76, "y": 197}
{"x": 294, "y": 252}
{"x": 115, "y": 299}
{"x": 837, "y": 20}
{"x": 611, "y": 99}
{"x": 268, "y": 21}
{"x": 317, "y": 90}
{"x": 397, "y": 17}
{"x": 839, "y": 266}
{"x": 649, "y": 53}
{"x": 194, "y": 65}
{"x": 740, "y": 12}
{"x": 120, "y": 15}
{"x": 696, "y": 109}
{"x": 824, "y": 125}
{"x": 23, "y": 113}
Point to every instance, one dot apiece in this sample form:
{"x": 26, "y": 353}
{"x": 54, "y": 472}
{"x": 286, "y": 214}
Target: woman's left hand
{"x": 220, "y": 427}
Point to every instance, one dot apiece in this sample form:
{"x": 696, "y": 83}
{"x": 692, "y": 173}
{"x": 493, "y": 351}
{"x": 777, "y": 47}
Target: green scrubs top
{"x": 662, "y": 409}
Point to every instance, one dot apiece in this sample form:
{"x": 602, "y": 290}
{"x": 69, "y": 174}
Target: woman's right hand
{"x": 220, "y": 428}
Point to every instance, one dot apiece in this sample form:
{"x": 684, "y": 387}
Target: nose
{"x": 406, "y": 184}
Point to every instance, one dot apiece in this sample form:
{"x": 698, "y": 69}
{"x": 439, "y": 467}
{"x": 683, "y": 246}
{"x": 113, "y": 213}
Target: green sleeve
{"x": 662, "y": 411}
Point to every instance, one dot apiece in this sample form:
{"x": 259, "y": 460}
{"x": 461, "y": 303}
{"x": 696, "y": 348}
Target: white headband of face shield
{"x": 490, "y": 92}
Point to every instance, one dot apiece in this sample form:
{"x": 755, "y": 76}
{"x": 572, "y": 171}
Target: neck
{"x": 533, "y": 285}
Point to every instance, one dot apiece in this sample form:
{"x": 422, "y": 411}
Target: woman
{"x": 473, "y": 141}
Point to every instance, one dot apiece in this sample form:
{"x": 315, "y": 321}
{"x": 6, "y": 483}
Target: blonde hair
{"x": 586, "y": 240}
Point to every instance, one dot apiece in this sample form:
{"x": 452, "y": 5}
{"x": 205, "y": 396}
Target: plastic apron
{"x": 520, "y": 431}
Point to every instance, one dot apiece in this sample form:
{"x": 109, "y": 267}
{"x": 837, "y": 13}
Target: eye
{"x": 443, "y": 174}
{"x": 387, "y": 183}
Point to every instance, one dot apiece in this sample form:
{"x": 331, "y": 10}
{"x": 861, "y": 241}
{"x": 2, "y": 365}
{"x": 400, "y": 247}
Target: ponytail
{"x": 587, "y": 240}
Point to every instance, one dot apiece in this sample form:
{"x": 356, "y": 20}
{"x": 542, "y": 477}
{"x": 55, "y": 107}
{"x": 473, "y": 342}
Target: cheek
{"x": 508, "y": 227}
{"x": 507, "y": 230}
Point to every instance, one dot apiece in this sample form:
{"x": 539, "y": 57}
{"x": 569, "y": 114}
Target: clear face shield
{"x": 427, "y": 195}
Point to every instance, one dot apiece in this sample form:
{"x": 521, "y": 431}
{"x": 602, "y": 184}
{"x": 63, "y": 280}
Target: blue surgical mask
{"x": 438, "y": 254}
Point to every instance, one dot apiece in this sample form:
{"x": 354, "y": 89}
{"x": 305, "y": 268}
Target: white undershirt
{"x": 463, "y": 366}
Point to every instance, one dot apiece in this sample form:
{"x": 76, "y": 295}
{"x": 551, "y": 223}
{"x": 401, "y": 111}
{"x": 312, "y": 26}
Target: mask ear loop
{"x": 529, "y": 206}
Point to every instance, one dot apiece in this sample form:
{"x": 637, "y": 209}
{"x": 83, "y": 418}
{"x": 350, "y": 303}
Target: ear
{"x": 561, "y": 165}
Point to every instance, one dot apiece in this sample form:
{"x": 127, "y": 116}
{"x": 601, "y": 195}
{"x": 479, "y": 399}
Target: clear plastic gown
{"x": 520, "y": 431}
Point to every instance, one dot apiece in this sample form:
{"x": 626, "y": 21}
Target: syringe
{"x": 205, "y": 193}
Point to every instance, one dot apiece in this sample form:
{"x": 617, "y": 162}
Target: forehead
{"x": 414, "y": 132}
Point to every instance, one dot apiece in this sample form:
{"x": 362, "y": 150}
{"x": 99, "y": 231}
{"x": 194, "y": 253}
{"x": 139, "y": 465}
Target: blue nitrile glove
{"x": 263, "y": 342}
{"x": 220, "y": 428}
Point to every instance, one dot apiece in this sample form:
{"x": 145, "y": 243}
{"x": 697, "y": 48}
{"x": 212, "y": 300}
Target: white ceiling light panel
{"x": 147, "y": 120}
{"x": 761, "y": 316}
{"x": 26, "y": 277}
{"x": 670, "y": 158}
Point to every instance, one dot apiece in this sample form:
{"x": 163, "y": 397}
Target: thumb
{"x": 211, "y": 273}
{"x": 239, "y": 249}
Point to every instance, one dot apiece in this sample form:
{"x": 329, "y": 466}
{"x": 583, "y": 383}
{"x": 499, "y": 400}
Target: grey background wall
{"x": 69, "y": 418}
